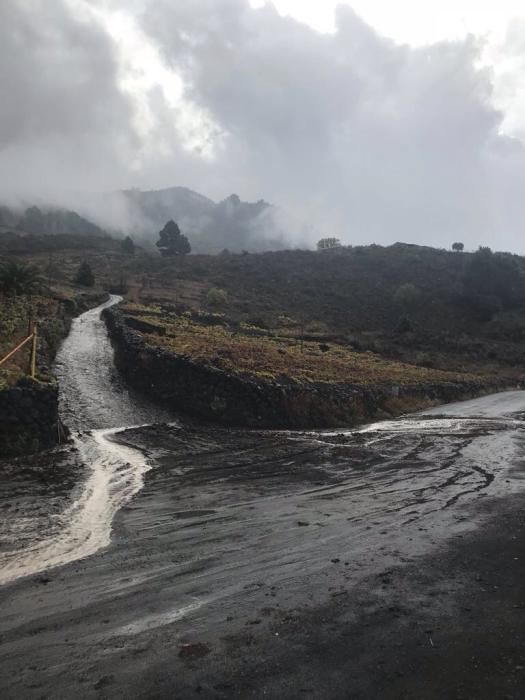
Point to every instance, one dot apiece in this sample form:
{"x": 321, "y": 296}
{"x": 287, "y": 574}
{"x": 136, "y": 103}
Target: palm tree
{"x": 18, "y": 279}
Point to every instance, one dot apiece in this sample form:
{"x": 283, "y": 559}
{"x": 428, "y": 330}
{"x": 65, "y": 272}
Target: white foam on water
{"x": 96, "y": 404}
{"x": 116, "y": 475}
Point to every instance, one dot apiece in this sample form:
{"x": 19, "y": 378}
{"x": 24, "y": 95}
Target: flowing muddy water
{"x": 283, "y": 554}
{"x": 95, "y": 404}
{"x": 229, "y": 516}
{"x": 353, "y": 487}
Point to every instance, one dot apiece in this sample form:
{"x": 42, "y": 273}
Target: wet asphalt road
{"x": 272, "y": 552}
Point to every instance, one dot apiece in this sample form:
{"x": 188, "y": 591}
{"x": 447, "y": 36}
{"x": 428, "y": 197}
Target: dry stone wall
{"x": 210, "y": 394}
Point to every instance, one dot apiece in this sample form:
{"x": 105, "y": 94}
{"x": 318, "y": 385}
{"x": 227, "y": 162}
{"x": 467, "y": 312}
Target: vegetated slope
{"x": 212, "y": 226}
{"x": 242, "y": 349}
{"x": 418, "y": 304}
{"x": 52, "y": 309}
{"x": 20, "y": 243}
{"x": 454, "y": 311}
{"x": 58, "y": 257}
{"x": 211, "y": 369}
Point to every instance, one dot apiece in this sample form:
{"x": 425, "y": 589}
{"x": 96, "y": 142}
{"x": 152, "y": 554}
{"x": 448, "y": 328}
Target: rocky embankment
{"x": 29, "y": 416}
{"x": 208, "y": 393}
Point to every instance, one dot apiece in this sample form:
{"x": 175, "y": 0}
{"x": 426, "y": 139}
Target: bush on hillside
{"x": 19, "y": 279}
{"x": 216, "y": 297}
{"x": 85, "y": 276}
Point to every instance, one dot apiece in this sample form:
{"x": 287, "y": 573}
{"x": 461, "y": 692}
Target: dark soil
{"x": 387, "y": 563}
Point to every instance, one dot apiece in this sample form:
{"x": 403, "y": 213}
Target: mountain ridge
{"x": 211, "y": 226}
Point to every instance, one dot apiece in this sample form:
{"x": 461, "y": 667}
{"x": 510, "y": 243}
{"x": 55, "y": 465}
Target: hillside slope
{"x": 47, "y": 221}
{"x": 432, "y": 307}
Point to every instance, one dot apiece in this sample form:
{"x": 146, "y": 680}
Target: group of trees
{"x": 18, "y": 279}
{"x": 56, "y": 221}
{"x": 171, "y": 242}
{"x": 494, "y": 280}
{"x": 328, "y": 243}
{"x": 486, "y": 284}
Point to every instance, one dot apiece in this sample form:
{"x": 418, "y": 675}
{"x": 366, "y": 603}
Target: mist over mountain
{"x": 47, "y": 221}
{"x": 351, "y": 133}
{"x": 211, "y": 226}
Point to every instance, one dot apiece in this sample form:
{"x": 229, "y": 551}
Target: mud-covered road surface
{"x": 178, "y": 561}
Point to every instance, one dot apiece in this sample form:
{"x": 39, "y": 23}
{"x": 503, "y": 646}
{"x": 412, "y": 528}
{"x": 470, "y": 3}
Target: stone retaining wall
{"x": 210, "y": 394}
{"x": 28, "y": 418}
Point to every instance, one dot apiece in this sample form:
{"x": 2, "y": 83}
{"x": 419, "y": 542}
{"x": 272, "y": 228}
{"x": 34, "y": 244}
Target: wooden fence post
{"x": 18, "y": 347}
{"x": 33, "y": 351}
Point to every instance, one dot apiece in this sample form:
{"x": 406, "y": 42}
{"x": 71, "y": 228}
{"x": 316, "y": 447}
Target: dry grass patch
{"x": 275, "y": 358}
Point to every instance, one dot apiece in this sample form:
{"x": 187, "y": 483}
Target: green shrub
{"x": 18, "y": 279}
{"x": 217, "y": 297}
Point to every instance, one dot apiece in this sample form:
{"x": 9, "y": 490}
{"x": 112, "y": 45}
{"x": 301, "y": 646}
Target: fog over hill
{"x": 46, "y": 221}
{"x": 351, "y": 133}
{"x": 211, "y": 226}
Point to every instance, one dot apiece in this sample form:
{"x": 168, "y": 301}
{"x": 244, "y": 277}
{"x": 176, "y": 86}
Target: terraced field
{"x": 246, "y": 350}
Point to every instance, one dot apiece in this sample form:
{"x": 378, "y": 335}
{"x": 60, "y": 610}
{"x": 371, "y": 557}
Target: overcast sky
{"x": 379, "y": 122}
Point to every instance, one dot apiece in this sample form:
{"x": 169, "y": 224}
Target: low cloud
{"x": 370, "y": 140}
{"x": 64, "y": 122}
{"x": 350, "y": 133}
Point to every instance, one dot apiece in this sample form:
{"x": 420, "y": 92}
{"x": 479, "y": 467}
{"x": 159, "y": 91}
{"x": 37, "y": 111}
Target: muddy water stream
{"x": 263, "y": 547}
{"x": 391, "y": 488}
{"x": 94, "y": 404}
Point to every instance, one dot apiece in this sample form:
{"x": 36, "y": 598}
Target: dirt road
{"x": 382, "y": 562}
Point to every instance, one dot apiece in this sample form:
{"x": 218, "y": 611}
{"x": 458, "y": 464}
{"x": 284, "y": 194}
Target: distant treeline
{"x": 12, "y": 243}
{"x": 48, "y": 222}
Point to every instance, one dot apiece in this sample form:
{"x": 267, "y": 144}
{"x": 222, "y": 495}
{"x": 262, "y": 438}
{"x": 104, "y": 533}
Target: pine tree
{"x": 172, "y": 241}
{"x": 85, "y": 276}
